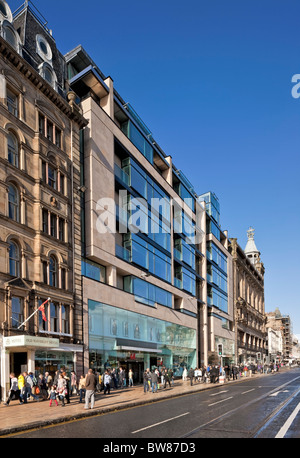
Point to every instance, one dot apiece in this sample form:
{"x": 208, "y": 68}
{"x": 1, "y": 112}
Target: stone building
{"x": 40, "y": 240}
{"x": 282, "y": 323}
{"x": 249, "y": 305}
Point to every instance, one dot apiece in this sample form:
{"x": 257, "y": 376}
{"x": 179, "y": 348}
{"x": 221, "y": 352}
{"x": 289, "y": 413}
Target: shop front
{"x": 34, "y": 354}
{"x": 121, "y": 338}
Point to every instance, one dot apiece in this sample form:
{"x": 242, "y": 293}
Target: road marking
{"x": 248, "y": 391}
{"x": 275, "y": 394}
{"x": 223, "y": 400}
{"x": 216, "y": 394}
{"x": 282, "y": 432}
{"x": 160, "y": 423}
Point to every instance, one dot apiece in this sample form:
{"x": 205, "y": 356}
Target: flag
{"x": 42, "y": 309}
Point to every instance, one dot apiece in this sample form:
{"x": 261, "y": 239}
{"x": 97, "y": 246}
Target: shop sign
{"x": 30, "y": 341}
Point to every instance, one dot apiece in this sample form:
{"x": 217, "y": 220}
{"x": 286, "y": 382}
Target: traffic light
{"x": 220, "y": 349}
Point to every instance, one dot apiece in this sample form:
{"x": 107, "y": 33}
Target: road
{"x": 264, "y": 407}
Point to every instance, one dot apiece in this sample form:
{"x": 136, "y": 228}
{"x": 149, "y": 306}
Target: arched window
{"x": 14, "y": 259}
{"x": 13, "y": 203}
{"x": 12, "y": 150}
{"x": 10, "y": 36}
{"x": 53, "y": 271}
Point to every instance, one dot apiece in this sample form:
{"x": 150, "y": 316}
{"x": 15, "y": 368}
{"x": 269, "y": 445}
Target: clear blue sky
{"x": 212, "y": 80}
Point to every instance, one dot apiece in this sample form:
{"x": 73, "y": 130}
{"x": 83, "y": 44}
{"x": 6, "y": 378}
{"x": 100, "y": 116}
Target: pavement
{"x": 17, "y": 418}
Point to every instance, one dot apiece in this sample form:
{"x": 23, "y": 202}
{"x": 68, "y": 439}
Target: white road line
{"x": 160, "y": 423}
{"x": 216, "y": 394}
{"x": 248, "y": 391}
{"x": 282, "y": 432}
{"x": 223, "y": 400}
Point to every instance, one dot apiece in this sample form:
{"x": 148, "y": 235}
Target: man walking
{"x": 154, "y": 380}
{"x": 191, "y": 375}
{"x": 90, "y": 386}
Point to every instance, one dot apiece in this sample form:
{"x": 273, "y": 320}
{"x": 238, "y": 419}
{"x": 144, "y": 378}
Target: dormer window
{"x": 43, "y": 48}
{"x": 47, "y": 72}
{"x": 3, "y": 9}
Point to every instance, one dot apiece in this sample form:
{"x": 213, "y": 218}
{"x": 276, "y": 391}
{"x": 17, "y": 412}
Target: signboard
{"x": 30, "y": 341}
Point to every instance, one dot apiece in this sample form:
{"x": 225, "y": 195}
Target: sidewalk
{"x": 16, "y": 417}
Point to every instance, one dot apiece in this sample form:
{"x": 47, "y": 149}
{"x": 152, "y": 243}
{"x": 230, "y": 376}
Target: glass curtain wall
{"x": 147, "y": 339}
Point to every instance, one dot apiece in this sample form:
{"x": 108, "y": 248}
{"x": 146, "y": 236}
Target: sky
{"x": 212, "y": 80}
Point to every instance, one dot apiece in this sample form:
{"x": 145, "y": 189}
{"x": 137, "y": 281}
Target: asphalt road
{"x": 264, "y": 407}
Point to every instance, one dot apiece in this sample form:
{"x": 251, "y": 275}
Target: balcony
{"x": 123, "y": 253}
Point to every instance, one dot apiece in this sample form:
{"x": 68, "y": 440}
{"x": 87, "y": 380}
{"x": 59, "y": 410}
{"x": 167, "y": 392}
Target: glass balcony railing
{"x": 123, "y": 253}
{"x": 119, "y": 173}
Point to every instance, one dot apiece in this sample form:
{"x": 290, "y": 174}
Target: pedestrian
{"x": 146, "y": 379}
{"x": 42, "y": 386}
{"x": 167, "y": 379}
{"x": 21, "y": 386}
{"x": 130, "y": 377}
{"x": 29, "y": 387}
{"x": 90, "y": 387}
{"x": 67, "y": 378}
{"x": 52, "y": 396}
{"x": 14, "y": 392}
{"x": 61, "y": 389}
{"x": 81, "y": 387}
{"x": 184, "y": 374}
{"x": 74, "y": 383}
{"x": 191, "y": 375}
{"x": 106, "y": 381}
{"x": 49, "y": 382}
{"x": 154, "y": 380}
{"x": 121, "y": 377}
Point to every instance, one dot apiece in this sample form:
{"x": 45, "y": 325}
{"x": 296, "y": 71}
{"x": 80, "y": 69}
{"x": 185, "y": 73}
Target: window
{"x": 12, "y": 102}
{"x": 48, "y": 76}
{"x": 53, "y": 272}
{"x": 14, "y": 259}
{"x": 49, "y": 130}
{"x": 43, "y": 325}
{"x": 52, "y": 177}
{"x": 53, "y": 225}
{"x": 54, "y": 317}
{"x": 65, "y": 319}
{"x": 45, "y": 271}
{"x": 61, "y": 229}
{"x": 3, "y": 9}
{"x": 13, "y": 203}
{"x": 57, "y": 137}
{"x": 63, "y": 278}
{"x": 45, "y": 220}
{"x": 10, "y": 36}
{"x": 41, "y": 124}
{"x": 17, "y": 316}
{"x": 12, "y": 150}
{"x": 62, "y": 183}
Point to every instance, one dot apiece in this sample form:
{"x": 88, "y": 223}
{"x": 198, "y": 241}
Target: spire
{"x": 251, "y": 251}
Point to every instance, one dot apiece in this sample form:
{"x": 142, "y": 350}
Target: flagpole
{"x": 33, "y": 313}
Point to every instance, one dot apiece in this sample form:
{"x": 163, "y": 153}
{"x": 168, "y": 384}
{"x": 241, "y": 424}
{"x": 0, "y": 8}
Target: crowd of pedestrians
{"x": 60, "y": 387}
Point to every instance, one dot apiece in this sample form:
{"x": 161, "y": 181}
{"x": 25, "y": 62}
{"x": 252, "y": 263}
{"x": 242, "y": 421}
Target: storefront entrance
{"x": 137, "y": 368}
{"x": 18, "y": 363}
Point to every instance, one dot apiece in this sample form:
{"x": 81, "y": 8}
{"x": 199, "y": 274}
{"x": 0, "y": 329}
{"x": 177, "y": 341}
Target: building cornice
{"x": 18, "y": 62}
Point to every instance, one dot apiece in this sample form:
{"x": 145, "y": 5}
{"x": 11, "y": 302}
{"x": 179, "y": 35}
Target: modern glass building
{"x": 219, "y": 318}
{"x": 141, "y": 263}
